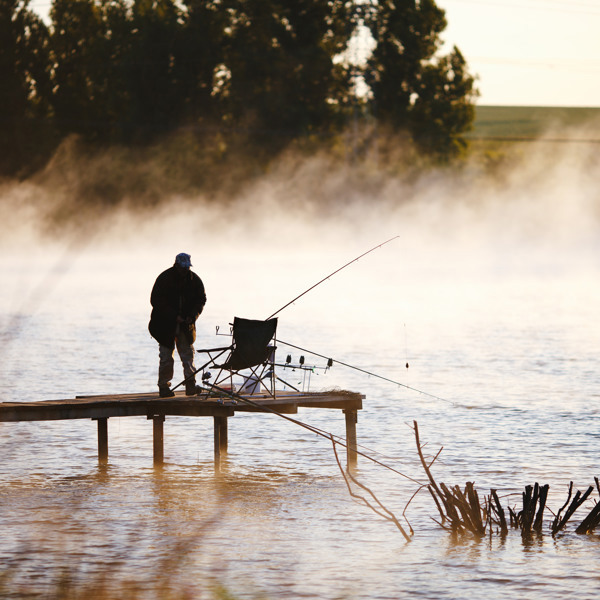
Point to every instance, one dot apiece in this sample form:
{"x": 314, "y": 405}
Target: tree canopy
{"x": 267, "y": 72}
{"x": 414, "y": 89}
{"x": 26, "y": 84}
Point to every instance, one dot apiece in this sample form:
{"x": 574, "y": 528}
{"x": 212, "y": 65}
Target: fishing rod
{"x": 331, "y": 275}
{"x": 330, "y": 361}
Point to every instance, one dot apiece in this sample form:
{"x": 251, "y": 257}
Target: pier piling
{"x": 220, "y": 432}
{"x": 351, "y": 443}
{"x": 158, "y": 445}
{"x": 102, "y": 439}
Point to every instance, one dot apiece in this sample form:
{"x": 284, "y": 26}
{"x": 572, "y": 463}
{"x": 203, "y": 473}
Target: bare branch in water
{"x": 578, "y": 500}
{"x": 593, "y": 519}
{"x": 462, "y": 512}
{"x": 497, "y": 507}
{"x": 406, "y": 508}
{"x": 382, "y": 511}
{"x": 462, "y": 509}
{"x": 425, "y": 465}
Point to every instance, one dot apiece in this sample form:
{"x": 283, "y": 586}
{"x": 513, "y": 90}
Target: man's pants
{"x": 166, "y": 362}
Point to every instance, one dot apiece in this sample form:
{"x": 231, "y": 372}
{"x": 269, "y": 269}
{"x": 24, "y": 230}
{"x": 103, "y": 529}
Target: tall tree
{"x": 155, "y": 98}
{"x": 111, "y": 71}
{"x": 199, "y": 56}
{"x": 25, "y": 88}
{"x": 443, "y": 109}
{"x": 279, "y": 79}
{"x": 91, "y": 49}
{"x": 413, "y": 89}
{"x": 78, "y": 37}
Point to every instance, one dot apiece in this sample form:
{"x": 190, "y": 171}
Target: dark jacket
{"x": 175, "y": 293}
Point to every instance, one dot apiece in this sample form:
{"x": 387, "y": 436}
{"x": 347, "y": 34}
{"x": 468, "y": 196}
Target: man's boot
{"x": 191, "y": 389}
{"x": 164, "y": 391}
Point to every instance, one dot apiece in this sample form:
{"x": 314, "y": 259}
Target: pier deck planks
{"x": 103, "y": 407}
{"x": 149, "y": 404}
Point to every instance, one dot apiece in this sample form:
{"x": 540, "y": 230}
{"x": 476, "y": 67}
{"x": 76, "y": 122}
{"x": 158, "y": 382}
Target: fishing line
{"x": 339, "y": 362}
{"x": 331, "y": 275}
{"x": 329, "y": 435}
{"x": 405, "y": 346}
{"x": 325, "y": 434}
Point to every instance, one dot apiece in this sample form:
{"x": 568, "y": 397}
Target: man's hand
{"x": 187, "y": 321}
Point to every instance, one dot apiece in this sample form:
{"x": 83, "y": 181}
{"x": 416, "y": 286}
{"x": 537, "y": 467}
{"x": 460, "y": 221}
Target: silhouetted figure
{"x": 177, "y": 299}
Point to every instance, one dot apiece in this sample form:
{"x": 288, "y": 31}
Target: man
{"x": 177, "y": 299}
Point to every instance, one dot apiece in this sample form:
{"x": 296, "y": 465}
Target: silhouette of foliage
{"x": 247, "y": 76}
{"x": 429, "y": 97}
{"x": 25, "y": 88}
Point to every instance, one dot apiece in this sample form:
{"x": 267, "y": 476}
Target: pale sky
{"x": 529, "y": 52}
{"x": 525, "y": 52}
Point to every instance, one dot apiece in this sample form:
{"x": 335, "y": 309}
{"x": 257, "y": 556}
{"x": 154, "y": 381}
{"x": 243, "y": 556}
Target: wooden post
{"x": 158, "y": 421}
{"x": 223, "y": 435}
{"x": 102, "y": 439}
{"x": 220, "y": 429}
{"x": 351, "y": 444}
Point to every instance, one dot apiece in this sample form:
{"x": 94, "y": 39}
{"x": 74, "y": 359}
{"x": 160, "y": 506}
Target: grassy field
{"x": 531, "y": 122}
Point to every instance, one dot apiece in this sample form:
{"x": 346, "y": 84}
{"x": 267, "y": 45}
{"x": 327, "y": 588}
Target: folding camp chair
{"x": 251, "y": 351}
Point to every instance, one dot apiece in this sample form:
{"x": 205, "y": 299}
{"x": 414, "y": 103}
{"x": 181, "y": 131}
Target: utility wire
{"x": 545, "y": 5}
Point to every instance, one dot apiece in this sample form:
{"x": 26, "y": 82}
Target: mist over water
{"x": 489, "y": 293}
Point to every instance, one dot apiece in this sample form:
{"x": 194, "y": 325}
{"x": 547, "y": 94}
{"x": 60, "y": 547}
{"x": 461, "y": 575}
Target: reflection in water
{"x": 532, "y": 541}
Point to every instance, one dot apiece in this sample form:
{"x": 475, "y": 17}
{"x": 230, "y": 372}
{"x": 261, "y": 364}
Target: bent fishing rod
{"x": 312, "y": 287}
{"x": 330, "y": 361}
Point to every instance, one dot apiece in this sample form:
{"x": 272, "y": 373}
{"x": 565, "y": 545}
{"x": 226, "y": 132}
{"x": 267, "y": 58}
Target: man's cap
{"x": 183, "y": 260}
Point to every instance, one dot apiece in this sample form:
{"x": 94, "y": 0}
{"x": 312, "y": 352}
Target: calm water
{"x": 505, "y": 344}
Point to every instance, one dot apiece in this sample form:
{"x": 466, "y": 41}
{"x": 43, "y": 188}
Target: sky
{"x": 529, "y": 52}
{"x": 524, "y": 52}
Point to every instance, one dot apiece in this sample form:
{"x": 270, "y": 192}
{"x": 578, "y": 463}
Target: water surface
{"x": 506, "y": 355}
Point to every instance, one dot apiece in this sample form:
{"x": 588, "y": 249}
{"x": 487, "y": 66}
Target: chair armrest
{"x": 215, "y": 349}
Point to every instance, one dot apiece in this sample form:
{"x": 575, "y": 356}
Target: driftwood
{"x": 497, "y": 509}
{"x": 593, "y": 519}
{"x": 533, "y": 498}
{"x": 462, "y": 512}
{"x": 578, "y": 500}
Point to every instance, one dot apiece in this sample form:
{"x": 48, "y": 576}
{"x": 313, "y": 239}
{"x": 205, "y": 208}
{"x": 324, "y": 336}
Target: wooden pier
{"x": 102, "y": 408}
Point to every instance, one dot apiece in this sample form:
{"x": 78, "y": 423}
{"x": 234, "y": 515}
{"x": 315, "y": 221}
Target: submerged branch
{"x": 497, "y": 508}
{"x": 593, "y": 519}
{"x": 578, "y": 500}
{"x": 462, "y": 509}
{"x": 382, "y": 511}
{"x": 462, "y": 512}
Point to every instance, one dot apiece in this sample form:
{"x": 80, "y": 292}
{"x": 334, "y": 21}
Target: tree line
{"x": 262, "y": 73}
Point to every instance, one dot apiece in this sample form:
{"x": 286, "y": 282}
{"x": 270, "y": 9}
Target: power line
{"x": 545, "y": 5}
{"x": 549, "y": 63}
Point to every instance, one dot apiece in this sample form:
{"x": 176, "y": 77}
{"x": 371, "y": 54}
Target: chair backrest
{"x": 250, "y": 343}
